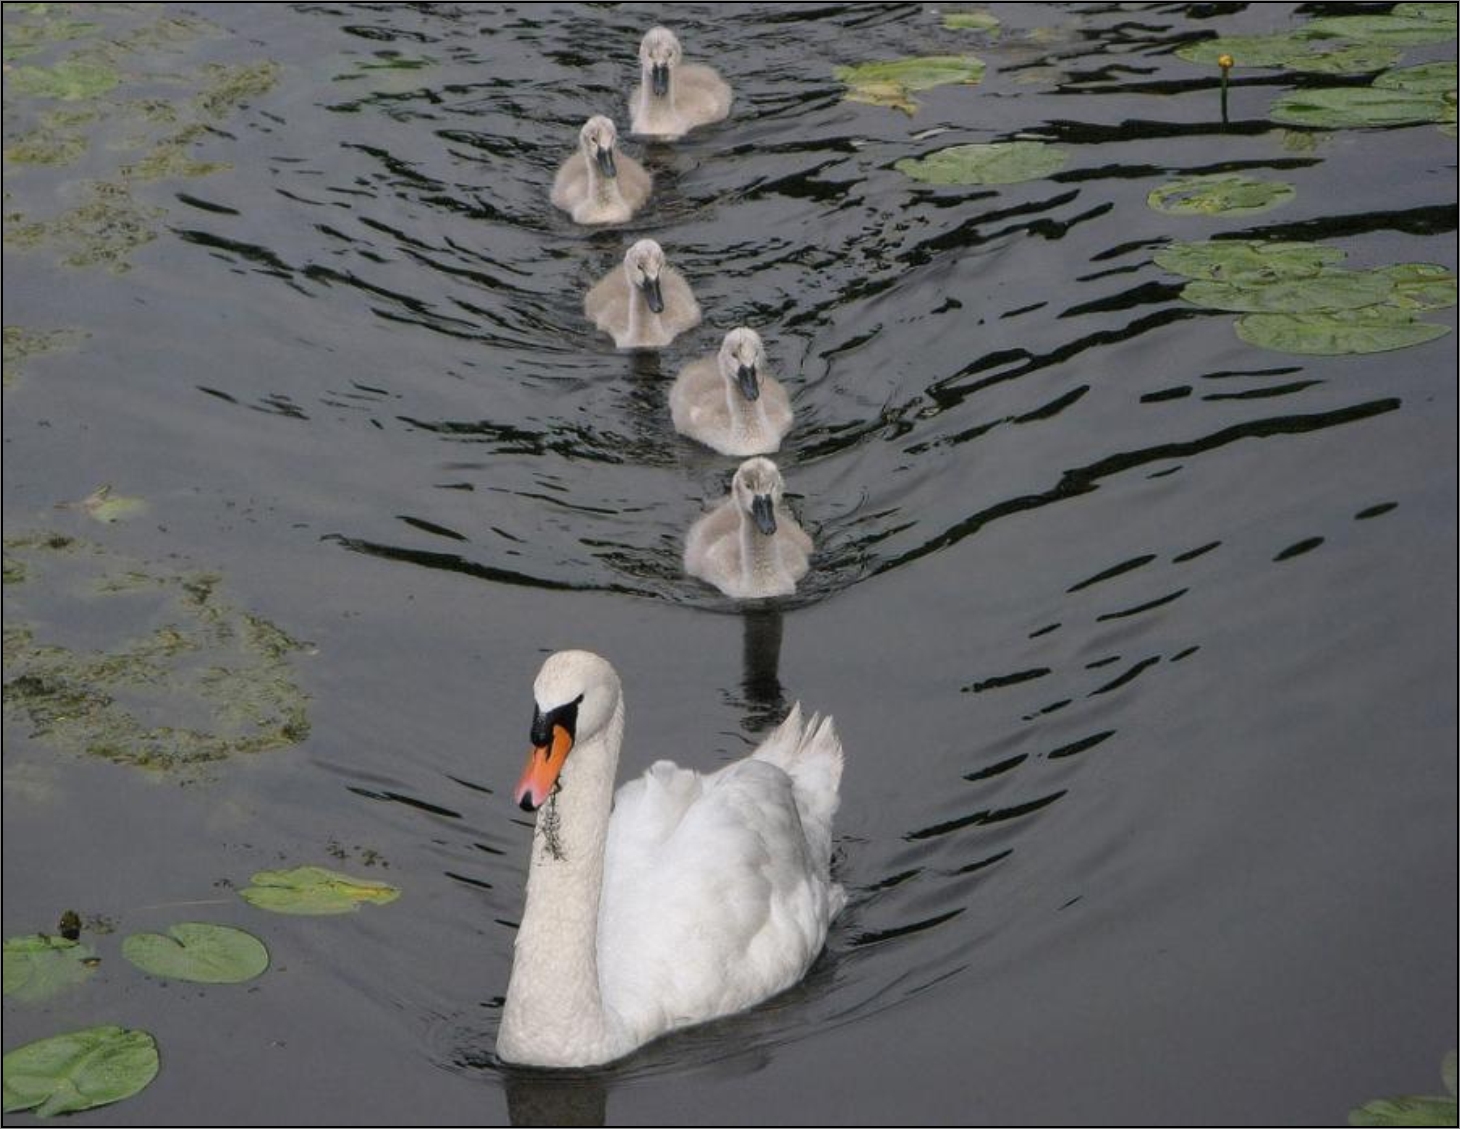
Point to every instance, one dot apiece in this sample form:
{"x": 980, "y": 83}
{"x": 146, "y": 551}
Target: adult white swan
{"x": 674, "y": 96}
{"x": 684, "y": 897}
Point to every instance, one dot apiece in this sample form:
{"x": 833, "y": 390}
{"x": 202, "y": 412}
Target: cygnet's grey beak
{"x": 604, "y": 157}
{"x": 764, "y": 512}
{"x": 653, "y": 295}
{"x": 659, "y": 79}
{"x": 749, "y": 386}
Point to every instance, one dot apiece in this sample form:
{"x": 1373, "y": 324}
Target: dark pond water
{"x": 1141, "y": 640}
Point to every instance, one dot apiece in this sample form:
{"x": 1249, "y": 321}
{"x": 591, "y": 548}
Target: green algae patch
{"x": 68, "y": 80}
{"x": 21, "y": 344}
{"x": 102, "y": 231}
{"x": 1372, "y": 329}
{"x": 79, "y": 1070}
{"x": 975, "y": 20}
{"x": 106, "y": 506}
{"x": 1420, "y": 286}
{"x": 315, "y": 890}
{"x": 1000, "y": 162}
{"x": 181, "y": 678}
{"x": 1353, "y": 58}
{"x": 171, "y": 161}
{"x": 1357, "y": 106}
{"x": 1229, "y": 194}
{"x": 45, "y": 147}
{"x": 228, "y": 87}
{"x": 893, "y": 83}
{"x": 198, "y": 952}
{"x": 38, "y": 965}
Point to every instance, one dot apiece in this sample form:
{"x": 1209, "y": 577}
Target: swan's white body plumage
{"x": 707, "y": 404}
{"x": 701, "y": 895}
{"x": 583, "y": 191}
{"x": 726, "y": 548}
{"x": 696, "y": 94}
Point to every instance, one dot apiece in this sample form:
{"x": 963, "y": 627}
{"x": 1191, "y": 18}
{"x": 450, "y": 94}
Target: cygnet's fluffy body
{"x": 645, "y": 303}
{"x": 673, "y": 97}
{"x": 598, "y": 184}
{"x": 729, "y": 402}
{"x": 750, "y": 546}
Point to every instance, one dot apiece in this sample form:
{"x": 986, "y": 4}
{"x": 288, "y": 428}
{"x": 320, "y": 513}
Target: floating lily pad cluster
{"x": 893, "y": 83}
{"x": 1342, "y": 45}
{"x": 1296, "y": 299}
{"x": 1230, "y": 194}
{"x": 100, "y": 1065}
{"x": 999, "y": 162}
{"x": 972, "y": 20}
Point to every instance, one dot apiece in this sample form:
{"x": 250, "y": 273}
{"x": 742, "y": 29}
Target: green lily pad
{"x": 1233, "y": 259}
{"x": 1395, "y": 31}
{"x": 1444, "y": 13}
{"x": 314, "y": 890}
{"x": 1405, "y": 1111}
{"x": 1420, "y": 286}
{"x": 1427, "y": 78}
{"x": 893, "y": 83}
{"x": 1000, "y": 162}
{"x": 971, "y": 21}
{"x": 38, "y": 965}
{"x": 196, "y": 951}
{"x": 1277, "y": 50}
{"x": 1326, "y": 290}
{"x": 1351, "y": 58}
{"x": 1220, "y": 194}
{"x": 79, "y": 1070}
{"x": 1373, "y": 329}
{"x": 67, "y": 80}
{"x": 1357, "y": 106}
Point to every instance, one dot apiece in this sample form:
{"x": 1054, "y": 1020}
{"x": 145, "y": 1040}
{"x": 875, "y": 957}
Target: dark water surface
{"x": 1141, "y": 640}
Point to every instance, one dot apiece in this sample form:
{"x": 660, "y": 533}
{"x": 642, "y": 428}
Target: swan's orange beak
{"x": 543, "y": 765}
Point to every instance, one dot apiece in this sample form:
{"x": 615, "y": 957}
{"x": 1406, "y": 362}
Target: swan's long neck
{"x": 602, "y": 190}
{"x": 747, "y": 417}
{"x": 645, "y": 326}
{"x": 760, "y": 556}
{"x": 659, "y": 110}
{"x": 554, "y": 1014}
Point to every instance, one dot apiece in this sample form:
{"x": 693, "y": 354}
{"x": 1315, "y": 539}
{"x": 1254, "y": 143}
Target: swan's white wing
{"x": 712, "y": 900}
{"x": 681, "y": 311}
{"x": 571, "y": 184}
{"x": 697, "y": 398}
{"x": 607, "y": 304}
{"x": 634, "y": 182}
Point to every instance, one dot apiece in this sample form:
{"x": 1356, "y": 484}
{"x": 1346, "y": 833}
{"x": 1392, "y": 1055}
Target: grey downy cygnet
{"x": 598, "y": 184}
{"x": 643, "y": 304}
{"x": 673, "y": 97}
{"x": 749, "y": 546}
{"x": 729, "y": 402}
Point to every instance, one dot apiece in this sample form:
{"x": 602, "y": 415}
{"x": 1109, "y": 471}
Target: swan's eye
{"x": 544, "y": 723}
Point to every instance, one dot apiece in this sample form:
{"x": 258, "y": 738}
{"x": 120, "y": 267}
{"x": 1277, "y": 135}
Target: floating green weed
{"x": 1372, "y": 329}
{"x": 1353, "y": 58}
{"x": 1326, "y": 290}
{"x": 1278, "y": 50}
{"x": 198, "y": 952}
{"x": 1427, "y": 78}
{"x": 1000, "y": 162}
{"x": 22, "y": 343}
{"x": 893, "y": 83}
{"x": 79, "y": 1070}
{"x": 1412, "y": 1110}
{"x": 315, "y": 890}
{"x": 1236, "y": 259}
{"x": 199, "y": 680}
{"x": 1220, "y": 194}
{"x": 38, "y": 965}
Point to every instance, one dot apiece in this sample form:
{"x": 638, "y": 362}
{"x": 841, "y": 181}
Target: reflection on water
{"x": 1070, "y": 531}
